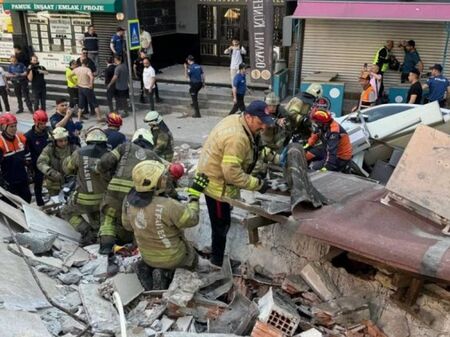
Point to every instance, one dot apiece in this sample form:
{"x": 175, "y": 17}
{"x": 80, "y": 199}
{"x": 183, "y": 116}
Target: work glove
{"x": 198, "y": 185}
{"x": 264, "y": 186}
{"x": 55, "y": 176}
{"x": 306, "y": 146}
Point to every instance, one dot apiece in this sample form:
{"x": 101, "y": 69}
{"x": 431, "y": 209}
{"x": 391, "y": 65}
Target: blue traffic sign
{"x": 134, "y": 40}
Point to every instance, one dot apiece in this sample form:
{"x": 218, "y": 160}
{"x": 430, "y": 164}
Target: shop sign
{"x": 56, "y": 61}
{"x": 111, "y": 8}
{"x": 260, "y": 27}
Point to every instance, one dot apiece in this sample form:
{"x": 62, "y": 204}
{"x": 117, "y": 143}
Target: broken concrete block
{"x": 183, "y": 323}
{"x": 97, "y": 267}
{"x": 185, "y": 334}
{"x": 77, "y": 257}
{"x": 294, "y": 284}
{"x": 183, "y": 287}
{"x": 345, "y": 311}
{"x": 221, "y": 286}
{"x": 127, "y": 285}
{"x": 51, "y": 262}
{"x": 265, "y": 330}
{"x": 101, "y": 313}
{"x": 21, "y": 323}
{"x": 162, "y": 325}
{"x": 72, "y": 277}
{"x": 38, "y": 243}
{"x": 310, "y": 333}
{"x": 141, "y": 316}
{"x": 319, "y": 281}
{"x": 278, "y": 311}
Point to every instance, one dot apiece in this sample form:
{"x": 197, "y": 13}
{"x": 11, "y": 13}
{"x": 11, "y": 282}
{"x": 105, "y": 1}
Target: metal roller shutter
{"x": 344, "y": 46}
{"x": 105, "y": 26}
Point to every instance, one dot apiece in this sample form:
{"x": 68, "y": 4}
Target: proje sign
{"x": 260, "y": 27}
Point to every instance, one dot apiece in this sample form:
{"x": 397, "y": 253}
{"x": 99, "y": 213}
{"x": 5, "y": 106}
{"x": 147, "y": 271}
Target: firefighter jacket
{"x": 13, "y": 158}
{"x": 119, "y": 164}
{"x": 51, "y": 160}
{"x": 36, "y": 142}
{"x": 163, "y": 141}
{"x": 158, "y": 229}
{"x": 90, "y": 184}
{"x": 336, "y": 143}
{"x": 227, "y": 158}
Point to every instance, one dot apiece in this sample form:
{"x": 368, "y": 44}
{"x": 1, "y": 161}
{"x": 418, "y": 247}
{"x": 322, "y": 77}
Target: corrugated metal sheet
{"x": 105, "y": 26}
{"x": 343, "y": 46}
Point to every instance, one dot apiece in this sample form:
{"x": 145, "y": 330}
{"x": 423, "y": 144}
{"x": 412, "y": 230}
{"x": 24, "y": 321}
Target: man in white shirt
{"x": 146, "y": 42}
{"x": 235, "y": 51}
{"x": 4, "y": 90}
{"x": 149, "y": 79}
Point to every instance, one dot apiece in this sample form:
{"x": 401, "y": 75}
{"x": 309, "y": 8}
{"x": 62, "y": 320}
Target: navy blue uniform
{"x": 195, "y": 73}
{"x": 240, "y": 84}
{"x": 71, "y": 126}
{"x": 36, "y": 141}
{"x": 115, "y": 138}
{"x": 117, "y": 42}
{"x": 438, "y": 87}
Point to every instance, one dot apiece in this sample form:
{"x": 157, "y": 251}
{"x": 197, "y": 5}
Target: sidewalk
{"x": 184, "y": 129}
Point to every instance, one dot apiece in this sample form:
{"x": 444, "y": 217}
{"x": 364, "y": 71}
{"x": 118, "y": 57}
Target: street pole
{"x": 130, "y": 81}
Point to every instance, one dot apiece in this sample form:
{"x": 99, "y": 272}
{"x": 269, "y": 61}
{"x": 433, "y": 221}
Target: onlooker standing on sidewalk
{"x": 17, "y": 72}
{"x": 194, "y": 72}
{"x": 149, "y": 79}
{"x": 120, "y": 81}
{"x": 411, "y": 61}
{"x": 91, "y": 64}
{"x": 146, "y": 42}
{"x": 415, "y": 90}
{"x": 239, "y": 89}
{"x": 21, "y": 56}
{"x": 110, "y": 90}
{"x": 63, "y": 118}
{"x": 37, "y": 139}
{"x": 117, "y": 42}
{"x": 90, "y": 43}
{"x": 4, "y": 88}
{"x": 35, "y": 75}
{"x": 86, "y": 95}
{"x": 383, "y": 56}
{"x": 235, "y": 51}
{"x": 439, "y": 86}
{"x": 72, "y": 84}
{"x": 138, "y": 69}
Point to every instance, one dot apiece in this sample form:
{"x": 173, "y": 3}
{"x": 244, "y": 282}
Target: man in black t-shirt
{"x": 91, "y": 65}
{"x": 111, "y": 90}
{"x": 35, "y": 74}
{"x": 415, "y": 90}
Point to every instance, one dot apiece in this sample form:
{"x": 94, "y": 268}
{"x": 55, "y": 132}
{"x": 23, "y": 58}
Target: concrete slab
{"x": 22, "y": 324}
{"x": 183, "y": 287}
{"x": 128, "y": 286}
{"x": 36, "y": 260}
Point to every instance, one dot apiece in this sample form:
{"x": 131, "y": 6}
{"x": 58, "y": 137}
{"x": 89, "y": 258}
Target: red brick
{"x": 265, "y": 330}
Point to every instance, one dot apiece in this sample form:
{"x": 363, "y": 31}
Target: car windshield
{"x": 376, "y": 113}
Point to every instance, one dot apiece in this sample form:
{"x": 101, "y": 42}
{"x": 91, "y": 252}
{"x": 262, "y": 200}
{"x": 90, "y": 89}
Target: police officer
{"x": 439, "y": 86}
{"x": 14, "y": 157}
{"x": 158, "y": 221}
{"x": 335, "y": 150}
{"x": 194, "y": 72}
{"x": 119, "y": 163}
{"x": 115, "y": 137}
{"x": 161, "y": 135}
{"x": 91, "y": 185}
{"x": 37, "y": 139}
{"x": 50, "y": 160}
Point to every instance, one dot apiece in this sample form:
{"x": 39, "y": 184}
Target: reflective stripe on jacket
{"x": 13, "y": 155}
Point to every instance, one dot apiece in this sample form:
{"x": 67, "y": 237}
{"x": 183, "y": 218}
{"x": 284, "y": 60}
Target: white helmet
{"x": 144, "y": 134}
{"x": 315, "y": 90}
{"x": 153, "y": 117}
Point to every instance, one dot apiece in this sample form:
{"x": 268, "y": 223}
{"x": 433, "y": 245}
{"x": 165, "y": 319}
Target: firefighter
{"x": 161, "y": 134}
{"x": 227, "y": 158}
{"x": 14, "y": 158}
{"x": 87, "y": 197}
{"x": 335, "y": 152}
{"x": 158, "y": 221}
{"x": 50, "y": 160}
{"x": 119, "y": 164}
{"x": 37, "y": 139}
{"x": 115, "y": 137}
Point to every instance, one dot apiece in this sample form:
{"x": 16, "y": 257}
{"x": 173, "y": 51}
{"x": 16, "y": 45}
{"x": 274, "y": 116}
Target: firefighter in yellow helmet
{"x": 158, "y": 221}
{"x": 88, "y": 195}
{"x": 51, "y": 158}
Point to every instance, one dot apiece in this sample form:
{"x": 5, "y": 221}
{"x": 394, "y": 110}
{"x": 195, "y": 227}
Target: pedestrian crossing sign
{"x": 134, "y": 41}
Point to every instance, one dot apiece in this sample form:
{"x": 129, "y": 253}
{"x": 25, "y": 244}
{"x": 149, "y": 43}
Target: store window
{"x": 6, "y": 38}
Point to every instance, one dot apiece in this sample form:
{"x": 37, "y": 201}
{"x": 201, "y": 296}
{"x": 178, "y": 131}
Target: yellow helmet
{"x": 96, "y": 135}
{"x": 147, "y": 174}
{"x": 144, "y": 134}
{"x": 60, "y": 133}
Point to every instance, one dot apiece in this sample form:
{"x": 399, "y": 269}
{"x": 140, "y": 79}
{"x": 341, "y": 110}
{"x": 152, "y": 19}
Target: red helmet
{"x": 321, "y": 116}
{"x": 114, "y": 119}
{"x": 176, "y": 170}
{"x": 40, "y": 116}
{"x": 8, "y": 119}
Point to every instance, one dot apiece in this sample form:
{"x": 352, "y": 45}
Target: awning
{"x": 372, "y": 11}
{"x": 108, "y": 6}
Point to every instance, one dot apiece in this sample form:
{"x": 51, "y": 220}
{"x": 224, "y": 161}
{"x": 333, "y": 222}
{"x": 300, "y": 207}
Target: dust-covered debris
{"x": 38, "y": 243}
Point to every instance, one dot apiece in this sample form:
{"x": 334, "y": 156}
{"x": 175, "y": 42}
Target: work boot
{"x": 162, "y": 279}
{"x": 107, "y": 243}
{"x": 196, "y": 115}
{"x": 88, "y": 235}
{"x": 145, "y": 274}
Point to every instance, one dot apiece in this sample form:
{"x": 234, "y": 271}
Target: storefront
{"x": 54, "y": 28}
{"x": 6, "y": 36}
